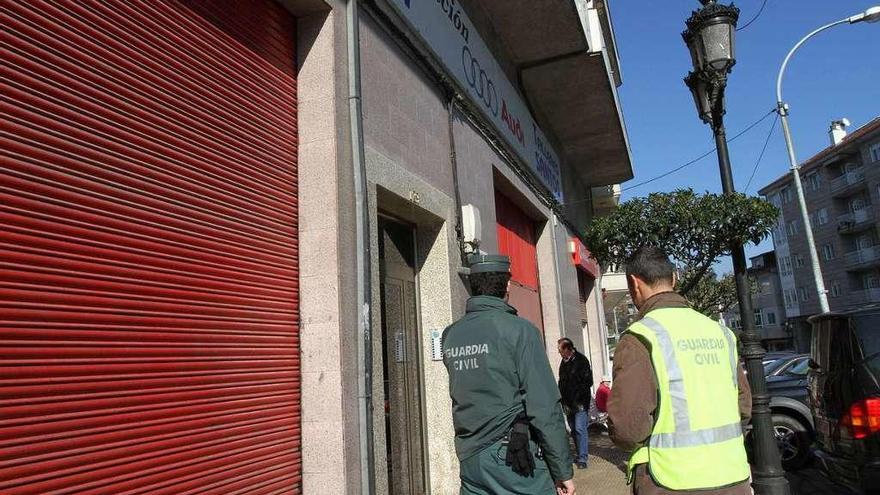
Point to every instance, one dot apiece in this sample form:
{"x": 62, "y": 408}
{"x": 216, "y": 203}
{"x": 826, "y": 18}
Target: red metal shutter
{"x": 148, "y": 248}
{"x": 517, "y": 239}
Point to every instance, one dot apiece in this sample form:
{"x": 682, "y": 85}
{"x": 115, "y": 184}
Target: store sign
{"x": 581, "y": 257}
{"x": 451, "y": 36}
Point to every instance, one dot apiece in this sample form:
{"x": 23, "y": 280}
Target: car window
{"x": 798, "y": 367}
{"x": 771, "y": 366}
{"x": 866, "y": 342}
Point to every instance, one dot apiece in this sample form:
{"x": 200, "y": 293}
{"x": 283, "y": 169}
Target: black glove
{"x": 519, "y": 457}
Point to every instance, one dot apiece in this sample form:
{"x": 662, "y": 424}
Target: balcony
{"x": 869, "y": 295}
{"x": 866, "y": 256}
{"x": 847, "y": 181}
{"x": 856, "y": 221}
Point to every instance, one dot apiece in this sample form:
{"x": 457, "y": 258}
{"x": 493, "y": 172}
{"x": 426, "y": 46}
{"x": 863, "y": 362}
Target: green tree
{"x": 694, "y": 229}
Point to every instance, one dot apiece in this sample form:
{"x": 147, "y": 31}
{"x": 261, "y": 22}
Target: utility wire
{"x": 761, "y": 155}
{"x": 753, "y": 19}
{"x": 704, "y": 155}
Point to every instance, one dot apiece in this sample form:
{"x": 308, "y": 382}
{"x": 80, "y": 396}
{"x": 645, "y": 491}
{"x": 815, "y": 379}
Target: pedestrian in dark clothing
{"x": 509, "y": 429}
{"x": 575, "y": 384}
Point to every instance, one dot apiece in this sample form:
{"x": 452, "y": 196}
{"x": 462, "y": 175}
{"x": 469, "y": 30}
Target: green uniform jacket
{"x": 497, "y": 365}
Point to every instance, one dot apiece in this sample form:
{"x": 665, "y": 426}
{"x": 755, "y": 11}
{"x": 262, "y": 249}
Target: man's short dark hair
{"x": 566, "y": 343}
{"x": 650, "y": 264}
{"x": 489, "y": 284}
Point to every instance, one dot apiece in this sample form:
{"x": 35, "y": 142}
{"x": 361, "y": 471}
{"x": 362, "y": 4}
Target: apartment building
{"x": 842, "y": 191}
{"x": 767, "y": 303}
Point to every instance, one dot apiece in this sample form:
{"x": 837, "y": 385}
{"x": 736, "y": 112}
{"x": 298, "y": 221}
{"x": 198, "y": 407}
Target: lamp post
{"x": 710, "y": 39}
{"x": 870, "y": 15}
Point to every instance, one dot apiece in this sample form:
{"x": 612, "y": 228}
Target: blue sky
{"x": 835, "y": 74}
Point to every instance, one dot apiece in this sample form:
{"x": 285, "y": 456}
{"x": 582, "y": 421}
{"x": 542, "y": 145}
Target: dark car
{"x": 792, "y": 419}
{"x": 844, "y": 384}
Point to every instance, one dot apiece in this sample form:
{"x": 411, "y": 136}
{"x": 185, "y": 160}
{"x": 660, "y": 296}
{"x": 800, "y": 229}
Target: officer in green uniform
{"x": 509, "y": 429}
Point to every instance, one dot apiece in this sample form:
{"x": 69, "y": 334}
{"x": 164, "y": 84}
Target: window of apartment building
{"x": 812, "y": 218}
{"x": 785, "y": 265}
{"x": 759, "y": 318}
{"x": 822, "y": 215}
{"x": 802, "y": 293}
{"x": 792, "y": 228}
{"x": 875, "y": 152}
{"x": 835, "y": 289}
{"x": 778, "y": 234}
{"x": 786, "y": 195}
{"x": 771, "y": 318}
{"x": 789, "y": 297}
{"x": 775, "y": 199}
{"x": 858, "y": 204}
{"x": 798, "y": 261}
{"x": 828, "y": 252}
{"x": 813, "y": 181}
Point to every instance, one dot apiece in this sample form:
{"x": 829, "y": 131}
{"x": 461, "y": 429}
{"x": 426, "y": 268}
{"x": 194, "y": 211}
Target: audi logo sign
{"x": 448, "y": 32}
{"x": 479, "y": 81}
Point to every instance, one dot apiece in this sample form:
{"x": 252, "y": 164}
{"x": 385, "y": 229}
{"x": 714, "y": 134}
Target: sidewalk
{"x": 606, "y": 473}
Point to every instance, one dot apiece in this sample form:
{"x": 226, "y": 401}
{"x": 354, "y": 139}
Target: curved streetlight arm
{"x": 779, "y": 101}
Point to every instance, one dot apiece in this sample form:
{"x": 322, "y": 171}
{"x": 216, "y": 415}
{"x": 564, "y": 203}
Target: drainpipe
{"x": 363, "y": 256}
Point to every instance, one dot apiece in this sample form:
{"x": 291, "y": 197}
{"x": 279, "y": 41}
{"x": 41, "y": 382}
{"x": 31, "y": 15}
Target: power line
{"x": 753, "y": 19}
{"x": 761, "y": 155}
{"x": 704, "y": 155}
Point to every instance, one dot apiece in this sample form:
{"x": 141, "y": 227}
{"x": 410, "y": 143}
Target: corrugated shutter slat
{"x": 149, "y": 251}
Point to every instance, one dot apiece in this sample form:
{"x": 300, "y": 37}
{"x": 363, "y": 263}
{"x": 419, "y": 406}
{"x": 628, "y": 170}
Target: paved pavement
{"x": 606, "y": 473}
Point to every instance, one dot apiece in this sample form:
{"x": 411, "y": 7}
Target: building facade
{"x": 842, "y": 191}
{"x": 234, "y": 236}
{"x": 767, "y": 303}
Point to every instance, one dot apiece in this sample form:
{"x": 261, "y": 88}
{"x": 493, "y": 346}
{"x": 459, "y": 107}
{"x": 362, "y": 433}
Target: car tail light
{"x": 863, "y": 418}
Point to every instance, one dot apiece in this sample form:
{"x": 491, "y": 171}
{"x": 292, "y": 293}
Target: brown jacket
{"x": 633, "y": 401}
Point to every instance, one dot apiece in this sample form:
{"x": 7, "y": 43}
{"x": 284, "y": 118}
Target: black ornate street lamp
{"x": 710, "y": 39}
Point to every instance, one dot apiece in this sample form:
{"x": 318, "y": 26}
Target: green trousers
{"x": 487, "y": 474}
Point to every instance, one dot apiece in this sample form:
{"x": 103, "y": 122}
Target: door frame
{"x": 381, "y": 214}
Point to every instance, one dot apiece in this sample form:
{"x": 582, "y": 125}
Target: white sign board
{"x": 449, "y": 33}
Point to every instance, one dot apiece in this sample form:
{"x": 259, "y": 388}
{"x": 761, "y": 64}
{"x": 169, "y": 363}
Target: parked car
{"x": 844, "y": 387}
{"x": 792, "y": 418}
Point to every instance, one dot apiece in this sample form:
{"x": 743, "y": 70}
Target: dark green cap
{"x": 482, "y": 263}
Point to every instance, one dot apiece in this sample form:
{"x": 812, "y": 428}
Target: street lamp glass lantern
{"x": 710, "y": 37}
{"x": 700, "y": 91}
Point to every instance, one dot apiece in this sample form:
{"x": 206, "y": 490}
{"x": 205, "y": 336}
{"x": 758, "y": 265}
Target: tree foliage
{"x": 713, "y": 295}
{"x": 694, "y": 229}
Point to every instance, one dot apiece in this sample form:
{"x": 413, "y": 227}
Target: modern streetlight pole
{"x": 710, "y": 39}
{"x": 870, "y": 15}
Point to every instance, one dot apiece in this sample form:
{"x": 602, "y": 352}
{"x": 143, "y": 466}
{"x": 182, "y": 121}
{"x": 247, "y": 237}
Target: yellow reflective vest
{"x": 697, "y": 440}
